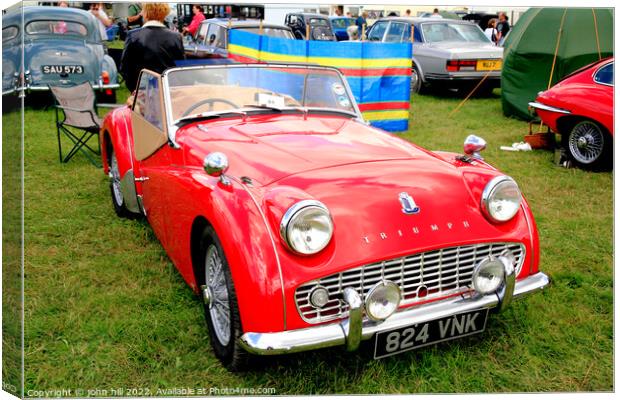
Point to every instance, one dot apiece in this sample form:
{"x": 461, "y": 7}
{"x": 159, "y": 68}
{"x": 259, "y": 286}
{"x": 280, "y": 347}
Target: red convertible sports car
{"x": 580, "y": 108}
{"x": 302, "y": 227}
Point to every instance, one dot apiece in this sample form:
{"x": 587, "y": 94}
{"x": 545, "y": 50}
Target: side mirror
{"x": 473, "y": 145}
{"x": 216, "y": 165}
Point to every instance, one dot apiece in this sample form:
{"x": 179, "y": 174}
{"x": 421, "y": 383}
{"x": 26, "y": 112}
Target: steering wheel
{"x": 208, "y": 101}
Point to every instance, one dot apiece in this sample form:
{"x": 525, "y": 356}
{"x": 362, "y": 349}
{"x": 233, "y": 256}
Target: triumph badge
{"x": 409, "y": 206}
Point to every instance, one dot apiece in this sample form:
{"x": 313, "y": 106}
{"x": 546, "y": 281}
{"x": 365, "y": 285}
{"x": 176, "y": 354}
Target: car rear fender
{"x": 109, "y": 66}
{"x": 418, "y": 65}
{"x": 116, "y": 134}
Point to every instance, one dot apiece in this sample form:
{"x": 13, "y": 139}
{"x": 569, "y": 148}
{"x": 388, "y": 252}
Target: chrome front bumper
{"x": 352, "y": 330}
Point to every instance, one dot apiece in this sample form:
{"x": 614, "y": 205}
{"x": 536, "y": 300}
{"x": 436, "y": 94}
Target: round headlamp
{"x": 382, "y": 300}
{"x": 319, "y": 297}
{"x": 501, "y": 199}
{"x": 307, "y": 227}
{"x": 488, "y": 275}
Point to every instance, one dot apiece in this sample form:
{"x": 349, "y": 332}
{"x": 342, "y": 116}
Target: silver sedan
{"x": 446, "y": 52}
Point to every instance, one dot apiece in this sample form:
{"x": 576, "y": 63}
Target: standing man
{"x": 153, "y": 46}
{"x": 134, "y": 17}
{"x": 361, "y": 25}
{"x": 408, "y": 13}
{"x": 503, "y": 27}
{"x": 198, "y": 18}
{"x": 436, "y": 14}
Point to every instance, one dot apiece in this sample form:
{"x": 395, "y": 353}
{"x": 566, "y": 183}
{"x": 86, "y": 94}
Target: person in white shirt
{"x": 104, "y": 21}
{"x": 491, "y": 32}
{"x": 436, "y": 14}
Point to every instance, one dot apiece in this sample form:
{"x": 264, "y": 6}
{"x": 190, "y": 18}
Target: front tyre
{"x": 220, "y": 304}
{"x": 589, "y": 145}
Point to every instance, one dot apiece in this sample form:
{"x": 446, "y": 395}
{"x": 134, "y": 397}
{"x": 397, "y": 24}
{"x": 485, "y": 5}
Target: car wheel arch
{"x": 198, "y": 226}
{"x": 415, "y": 64}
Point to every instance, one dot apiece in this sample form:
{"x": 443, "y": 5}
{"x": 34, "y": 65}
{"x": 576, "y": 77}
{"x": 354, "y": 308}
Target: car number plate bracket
{"x": 431, "y": 332}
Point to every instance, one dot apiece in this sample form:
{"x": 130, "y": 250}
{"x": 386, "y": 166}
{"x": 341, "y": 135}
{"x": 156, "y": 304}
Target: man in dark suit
{"x": 153, "y": 46}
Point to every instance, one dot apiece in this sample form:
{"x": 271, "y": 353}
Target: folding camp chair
{"x": 79, "y": 114}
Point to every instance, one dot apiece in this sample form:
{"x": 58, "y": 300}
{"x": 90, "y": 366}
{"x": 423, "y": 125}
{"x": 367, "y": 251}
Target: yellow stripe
{"x": 385, "y": 115}
{"x": 327, "y": 61}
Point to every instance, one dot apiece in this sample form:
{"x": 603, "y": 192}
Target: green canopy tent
{"x": 580, "y": 36}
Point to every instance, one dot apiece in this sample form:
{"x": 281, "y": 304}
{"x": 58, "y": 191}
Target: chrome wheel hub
{"x": 116, "y": 180}
{"x": 586, "y": 142}
{"x": 215, "y": 294}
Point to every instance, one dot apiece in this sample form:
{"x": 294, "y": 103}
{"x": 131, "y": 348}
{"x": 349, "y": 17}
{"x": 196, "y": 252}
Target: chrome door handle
{"x": 141, "y": 179}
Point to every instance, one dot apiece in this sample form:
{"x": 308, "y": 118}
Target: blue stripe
{"x": 372, "y": 89}
{"x": 386, "y": 50}
{"x": 242, "y": 38}
{"x": 284, "y": 46}
{"x": 397, "y": 125}
{"x": 318, "y": 48}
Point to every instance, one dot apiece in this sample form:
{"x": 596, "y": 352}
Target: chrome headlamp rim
{"x": 487, "y": 193}
{"x": 292, "y": 212}
{"x": 484, "y": 263}
{"x": 317, "y": 287}
{"x": 373, "y": 290}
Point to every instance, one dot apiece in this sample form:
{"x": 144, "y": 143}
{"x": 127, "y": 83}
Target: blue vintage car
{"x": 62, "y": 46}
{"x": 340, "y": 25}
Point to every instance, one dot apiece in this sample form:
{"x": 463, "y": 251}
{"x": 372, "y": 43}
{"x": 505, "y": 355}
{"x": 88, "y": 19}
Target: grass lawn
{"x": 106, "y": 309}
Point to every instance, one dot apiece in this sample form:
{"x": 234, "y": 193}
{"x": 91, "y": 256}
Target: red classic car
{"x": 580, "y": 108}
{"x": 301, "y": 226}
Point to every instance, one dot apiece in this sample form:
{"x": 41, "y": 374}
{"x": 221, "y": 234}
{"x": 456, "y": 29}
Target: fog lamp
{"x": 382, "y": 300}
{"x": 488, "y": 275}
{"x": 319, "y": 297}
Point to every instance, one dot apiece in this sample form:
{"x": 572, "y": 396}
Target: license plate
{"x": 431, "y": 332}
{"x": 62, "y": 69}
{"x": 489, "y": 65}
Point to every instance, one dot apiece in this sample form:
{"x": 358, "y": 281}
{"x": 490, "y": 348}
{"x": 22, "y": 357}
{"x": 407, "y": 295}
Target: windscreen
{"x": 437, "y": 32}
{"x": 195, "y": 91}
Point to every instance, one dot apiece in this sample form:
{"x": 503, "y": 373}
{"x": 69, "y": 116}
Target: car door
{"x": 424, "y": 55}
{"x": 151, "y": 150}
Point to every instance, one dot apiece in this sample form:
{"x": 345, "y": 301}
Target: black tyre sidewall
{"x": 119, "y": 209}
{"x": 231, "y": 354}
{"x": 416, "y": 88}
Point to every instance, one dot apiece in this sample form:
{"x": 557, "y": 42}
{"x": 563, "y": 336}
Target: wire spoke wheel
{"x": 586, "y": 142}
{"x": 219, "y": 306}
{"x": 116, "y": 180}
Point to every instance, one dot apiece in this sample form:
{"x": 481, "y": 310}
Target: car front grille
{"x": 421, "y": 277}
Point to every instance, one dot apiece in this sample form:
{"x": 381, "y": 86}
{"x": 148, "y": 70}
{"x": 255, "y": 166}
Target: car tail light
{"x": 105, "y": 78}
{"x": 460, "y": 65}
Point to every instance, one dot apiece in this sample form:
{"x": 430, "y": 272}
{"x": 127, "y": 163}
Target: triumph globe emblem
{"x": 409, "y": 205}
